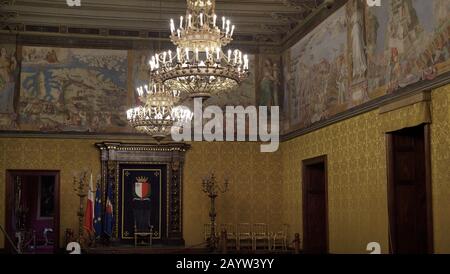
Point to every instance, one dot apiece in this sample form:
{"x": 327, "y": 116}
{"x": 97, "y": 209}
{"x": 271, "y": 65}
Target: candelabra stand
{"x": 80, "y": 187}
{"x": 212, "y": 189}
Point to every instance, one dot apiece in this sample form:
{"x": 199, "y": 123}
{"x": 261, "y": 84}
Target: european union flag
{"x": 98, "y": 212}
{"x": 109, "y": 216}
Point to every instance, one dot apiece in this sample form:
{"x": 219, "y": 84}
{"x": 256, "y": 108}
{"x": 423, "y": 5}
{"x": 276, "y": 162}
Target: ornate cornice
{"x": 164, "y": 147}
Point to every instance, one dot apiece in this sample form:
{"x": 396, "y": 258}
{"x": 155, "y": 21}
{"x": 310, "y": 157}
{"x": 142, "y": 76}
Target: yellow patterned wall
{"x": 357, "y": 180}
{"x": 440, "y": 168}
{"x": 255, "y": 185}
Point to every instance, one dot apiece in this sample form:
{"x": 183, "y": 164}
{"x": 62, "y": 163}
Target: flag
{"x": 89, "y": 212}
{"x": 98, "y": 212}
{"x": 109, "y": 216}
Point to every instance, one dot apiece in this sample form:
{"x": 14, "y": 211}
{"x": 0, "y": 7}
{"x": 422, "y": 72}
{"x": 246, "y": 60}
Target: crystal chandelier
{"x": 199, "y": 66}
{"x": 159, "y": 113}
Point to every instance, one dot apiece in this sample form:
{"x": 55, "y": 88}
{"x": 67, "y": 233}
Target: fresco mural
{"x": 9, "y": 71}
{"x": 408, "y": 41}
{"x": 375, "y": 51}
{"x": 316, "y": 73}
{"x": 79, "y": 90}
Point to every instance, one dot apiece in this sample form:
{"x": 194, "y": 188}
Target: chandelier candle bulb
{"x": 181, "y": 22}
{"x": 218, "y": 54}
{"x": 223, "y": 22}
{"x": 196, "y": 54}
{"x": 187, "y": 55}
{"x": 214, "y": 20}
{"x": 164, "y": 57}
{"x": 178, "y": 55}
{"x": 170, "y": 56}
{"x": 201, "y": 19}
{"x": 179, "y": 33}
{"x": 172, "y": 26}
{"x": 190, "y": 20}
{"x": 232, "y": 31}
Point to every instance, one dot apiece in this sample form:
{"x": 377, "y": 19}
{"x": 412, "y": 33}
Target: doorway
{"x": 32, "y": 211}
{"x": 315, "y": 206}
{"x": 409, "y": 191}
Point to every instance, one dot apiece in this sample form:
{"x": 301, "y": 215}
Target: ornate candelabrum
{"x": 80, "y": 187}
{"x": 212, "y": 189}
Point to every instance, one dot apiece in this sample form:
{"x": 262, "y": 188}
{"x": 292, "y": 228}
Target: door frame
{"x": 391, "y": 190}
{"x": 312, "y": 161}
{"x": 9, "y": 201}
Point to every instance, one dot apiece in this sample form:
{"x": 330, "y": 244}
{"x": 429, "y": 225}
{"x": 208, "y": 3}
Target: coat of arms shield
{"x": 142, "y": 187}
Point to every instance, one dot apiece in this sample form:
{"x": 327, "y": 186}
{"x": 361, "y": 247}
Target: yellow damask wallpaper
{"x": 440, "y": 168}
{"x": 357, "y": 180}
{"x": 255, "y": 185}
{"x": 357, "y": 199}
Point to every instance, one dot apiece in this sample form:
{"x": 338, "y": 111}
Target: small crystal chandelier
{"x": 159, "y": 114}
{"x": 199, "y": 67}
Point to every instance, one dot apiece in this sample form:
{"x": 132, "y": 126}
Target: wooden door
{"x": 409, "y": 191}
{"x": 315, "y": 211}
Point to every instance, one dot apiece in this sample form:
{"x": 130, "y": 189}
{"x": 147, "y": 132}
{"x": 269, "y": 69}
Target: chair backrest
{"x": 142, "y": 214}
{"x": 283, "y": 232}
{"x": 230, "y": 228}
{"x": 260, "y": 229}
{"x": 244, "y": 229}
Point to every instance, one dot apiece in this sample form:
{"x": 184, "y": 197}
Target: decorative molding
{"x": 407, "y": 100}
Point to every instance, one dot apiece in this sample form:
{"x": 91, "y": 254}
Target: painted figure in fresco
{"x": 358, "y": 46}
{"x": 276, "y": 83}
{"x": 52, "y": 57}
{"x": 394, "y": 70}
{"x": 342, "y": 80}
{"x": 269, "y": 94}
{"x": 8, "y": 65}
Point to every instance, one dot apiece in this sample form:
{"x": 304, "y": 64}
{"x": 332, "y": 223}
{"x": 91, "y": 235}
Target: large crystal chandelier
{"x": 199, "y": 66}
{"x": 159, "y": 113}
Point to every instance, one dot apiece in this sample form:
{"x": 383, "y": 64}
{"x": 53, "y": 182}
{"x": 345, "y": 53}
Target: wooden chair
{"x": 231, "y": 233}
{"x": 143, "y": 234}
{"x": 261, "y": 233}
{"x": 244, "y": 234}
{"x": 142, "y": 221}
{"x": 279, "y": 238}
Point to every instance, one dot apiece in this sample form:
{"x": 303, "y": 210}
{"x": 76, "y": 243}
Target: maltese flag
{"x": 89, "y": 213}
